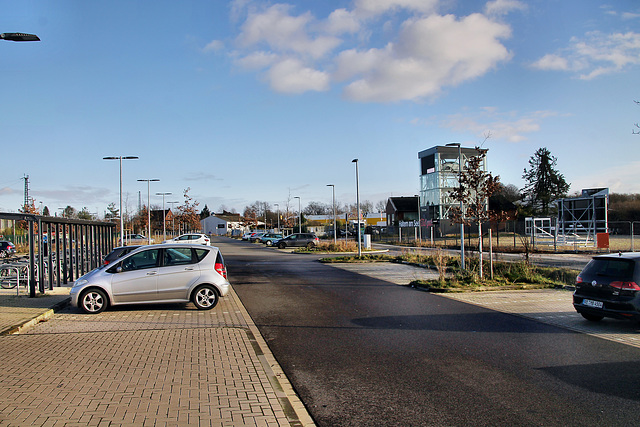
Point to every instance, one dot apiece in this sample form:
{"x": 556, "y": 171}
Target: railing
{"x": 61, "y": 249}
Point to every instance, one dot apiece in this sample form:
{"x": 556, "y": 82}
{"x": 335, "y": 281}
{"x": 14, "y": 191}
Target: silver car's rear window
{"x": 201, "y": 253}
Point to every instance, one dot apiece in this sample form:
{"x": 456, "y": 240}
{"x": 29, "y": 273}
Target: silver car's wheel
{"x": 269, "y": 243}
{"x": 93, "y": 301}
{"x": 205, "y": 297}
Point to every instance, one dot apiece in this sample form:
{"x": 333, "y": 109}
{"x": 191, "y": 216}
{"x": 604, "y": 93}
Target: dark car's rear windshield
{"x": 618, "y": 268}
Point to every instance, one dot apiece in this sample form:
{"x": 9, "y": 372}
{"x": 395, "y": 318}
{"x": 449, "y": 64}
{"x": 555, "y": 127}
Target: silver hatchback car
{"x": 165, "y": 273}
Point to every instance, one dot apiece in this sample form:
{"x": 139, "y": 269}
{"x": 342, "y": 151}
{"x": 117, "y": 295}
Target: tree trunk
{"x": 480, "y": 244}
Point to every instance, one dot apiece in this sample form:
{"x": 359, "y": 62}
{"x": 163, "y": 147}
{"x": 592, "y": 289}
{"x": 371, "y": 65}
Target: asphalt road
{"x": 361, "y": 351}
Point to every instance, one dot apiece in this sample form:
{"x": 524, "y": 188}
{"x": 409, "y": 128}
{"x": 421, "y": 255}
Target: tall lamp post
{"x": 277, "y": 215}
{"x": 19, "y": 37}
{"x": 173, "y": 218}
{"x": 419, "y": 220}
{"x": 148, "y": 181}
{"x": 457, "y": 144}
{"x": 335, "y": 233}
{"x": 299, "y": 215}
{"x": 164, "y": 216}
{"x": 358, "y": 208}
{"x": 121, "y": 213}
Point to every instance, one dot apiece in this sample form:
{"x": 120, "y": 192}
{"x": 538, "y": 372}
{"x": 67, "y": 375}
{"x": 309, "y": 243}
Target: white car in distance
{"x": 197, "y": 238}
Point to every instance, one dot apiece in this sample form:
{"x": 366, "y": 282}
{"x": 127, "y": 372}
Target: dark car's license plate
{"x": 591, "y": 303}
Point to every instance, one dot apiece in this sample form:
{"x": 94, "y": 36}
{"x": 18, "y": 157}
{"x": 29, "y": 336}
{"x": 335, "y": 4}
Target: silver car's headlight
{"x": 80, "y": 282}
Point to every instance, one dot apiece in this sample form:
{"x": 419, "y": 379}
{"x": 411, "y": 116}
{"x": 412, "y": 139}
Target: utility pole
{"x": 26, "y": 191}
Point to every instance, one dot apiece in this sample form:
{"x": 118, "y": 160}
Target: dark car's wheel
{"x": 282, "y": 245}
{"x": 93, "y": 301}
{"x": 592, "y": 317}
{"x": 205, "y": 297}
{"x": 310, "y": 245}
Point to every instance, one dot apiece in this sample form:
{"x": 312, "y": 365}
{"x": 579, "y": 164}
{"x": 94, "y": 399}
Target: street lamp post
{"x": 299, "y": 215}
{"x": 419, "y": 220}
{"x": 19, "y": 37}
{"x": 277, "y": 214}
{"x": 121, "y": 213}
{"x": 164, "y": 217}
{"x": 148, "y": 181}
{"x": 335, "y": 233}
{"x": 173, "y": 218}
{"x": 358, "y": 208}
{"x": 457, "y": 144}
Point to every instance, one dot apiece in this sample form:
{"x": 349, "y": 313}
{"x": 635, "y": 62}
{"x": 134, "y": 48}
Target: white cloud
{"x": 430, "y": 53}
{"x": 510, "y": 126}
{"x": 257, "y": 60}
{"x": 419, "y": 57}
{"x": 291, "y": 76}
{"x": 7, "y": 190}
{"x": 342, "y": 21}
{"x": 595, "y": 54}
{"x": 276, "y": 28}
{"x": 503, "y": 7}
{"x": 552, "y": 62}
{"x": 377, "y": 7}
{"x": 214, "y": 46}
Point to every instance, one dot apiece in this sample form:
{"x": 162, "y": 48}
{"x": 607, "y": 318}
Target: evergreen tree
{"x": 544, "y": 183}
{"x": 205, "y": 213}
{"x": 85, "y": 214}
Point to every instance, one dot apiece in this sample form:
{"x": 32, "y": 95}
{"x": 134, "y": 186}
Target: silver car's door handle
{"x": 152, "y": 273}
{"x": 189, "y": 268}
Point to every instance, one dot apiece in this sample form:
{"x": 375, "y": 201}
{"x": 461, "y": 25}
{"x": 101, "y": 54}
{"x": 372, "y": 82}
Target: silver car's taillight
{"x": 221, "y": 269}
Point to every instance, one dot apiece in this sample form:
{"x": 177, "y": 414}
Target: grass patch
{"x": 506, "y": 275}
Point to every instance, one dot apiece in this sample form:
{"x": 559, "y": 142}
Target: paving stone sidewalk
{"x": 143, "y": 365}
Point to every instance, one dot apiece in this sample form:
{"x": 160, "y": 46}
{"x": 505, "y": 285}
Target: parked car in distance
{"x": 247, "y": 235}
{"x": 198, "y": 238}
{"x": 269, "y": 238}
{"x": 255, "y": 237}
{"x": 298, "y": 240}
{"x": 7, "y": 248}
{"x": 165, "y": 273}
{"x": 608, "y": 287}
{"x": 118, "y": 252}
{"x": 133, "y": 239}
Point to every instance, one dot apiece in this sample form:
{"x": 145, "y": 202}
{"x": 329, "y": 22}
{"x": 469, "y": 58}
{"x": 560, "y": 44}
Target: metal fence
{"x": 60, "y": 250}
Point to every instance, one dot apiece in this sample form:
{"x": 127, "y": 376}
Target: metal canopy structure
{"x": 582, "y": 218}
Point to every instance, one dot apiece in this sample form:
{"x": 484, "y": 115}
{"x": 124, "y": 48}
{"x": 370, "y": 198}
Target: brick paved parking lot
{"x": 144, "y": 365}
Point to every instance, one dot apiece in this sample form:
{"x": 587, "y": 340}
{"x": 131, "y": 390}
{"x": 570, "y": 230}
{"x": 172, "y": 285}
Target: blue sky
{"x": 254, "y": 100}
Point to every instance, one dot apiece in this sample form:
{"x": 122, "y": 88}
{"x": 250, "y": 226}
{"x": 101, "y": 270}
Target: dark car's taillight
{"x": 625, "y": 286}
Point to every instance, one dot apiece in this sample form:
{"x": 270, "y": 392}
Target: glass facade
{"x": 439, "y": 171}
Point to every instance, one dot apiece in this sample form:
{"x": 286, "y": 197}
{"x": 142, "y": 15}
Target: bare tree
{"x": 317, "y": 208}
{"x": 188, "y": 215}
{"x": 476, "y": 186}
